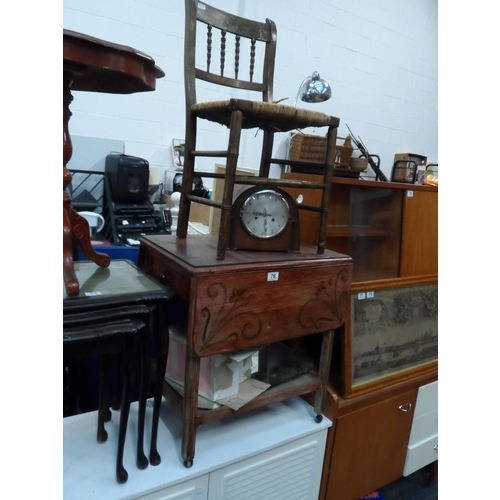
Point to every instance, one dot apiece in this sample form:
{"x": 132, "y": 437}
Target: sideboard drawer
{"x": 423, "y": 427}
{"x": 423, "y": 442}
{"x": 427, "y": 399}
{"x": 421, "y": 454}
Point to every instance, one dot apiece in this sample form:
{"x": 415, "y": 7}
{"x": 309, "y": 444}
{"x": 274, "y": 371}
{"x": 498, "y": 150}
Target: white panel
{"x": 427, "y": 399}
{"x": 420, "y": 455}
{"x": 290, "y": 472}
{"x": 422, "y": 445}
{"x": 195, "y": 489}
{"x": 89, "y": 467}
{"x": 89, "y": 153}
{"x": 423, "y": 427}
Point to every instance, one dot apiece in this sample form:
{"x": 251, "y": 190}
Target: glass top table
{"x": 121, "y": 282}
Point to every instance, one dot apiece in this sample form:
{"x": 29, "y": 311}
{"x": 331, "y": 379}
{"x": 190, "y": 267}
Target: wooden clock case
{"x": 287, "y": 240}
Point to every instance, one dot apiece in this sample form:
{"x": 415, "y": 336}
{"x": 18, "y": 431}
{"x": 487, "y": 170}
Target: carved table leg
{"x": 75, "y": 227}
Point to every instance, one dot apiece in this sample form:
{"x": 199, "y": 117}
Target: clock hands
{"x": 262, "y": 214}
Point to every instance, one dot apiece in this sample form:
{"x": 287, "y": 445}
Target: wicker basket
{"x": 313, "y": 148}
{"x": 359, "y": 164}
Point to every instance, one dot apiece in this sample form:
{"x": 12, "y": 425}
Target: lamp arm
{"x": 300, "y": 89}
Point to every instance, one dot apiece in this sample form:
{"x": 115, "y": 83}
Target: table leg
{"x": 103, "y": 407}
{"x": 145, "y": 361}
{"x": 323, "y": 373}
{"x": 75, "y": 227}
{"x": 162, "y": 339}
{"x": 433, "y": 472}
{"x": 191, "y": 383}
{"x": 70, "y": 394}
{"x": 121, "y": 473}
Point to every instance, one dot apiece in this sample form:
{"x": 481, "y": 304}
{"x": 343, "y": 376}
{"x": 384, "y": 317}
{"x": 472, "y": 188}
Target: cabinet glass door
{"x": 374, "y": 240}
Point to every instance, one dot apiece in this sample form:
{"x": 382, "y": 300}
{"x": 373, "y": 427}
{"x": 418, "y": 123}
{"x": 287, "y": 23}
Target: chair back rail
{"x": 232, "y": 32}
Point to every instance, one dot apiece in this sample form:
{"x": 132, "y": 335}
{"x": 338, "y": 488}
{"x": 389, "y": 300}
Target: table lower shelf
{"x": 304, "y": 384}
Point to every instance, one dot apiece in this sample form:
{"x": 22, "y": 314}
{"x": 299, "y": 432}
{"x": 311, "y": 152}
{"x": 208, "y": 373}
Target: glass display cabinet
{"x": 389, "y": 229}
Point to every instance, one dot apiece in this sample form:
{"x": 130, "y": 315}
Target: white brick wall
{"x": 379, "y": 56}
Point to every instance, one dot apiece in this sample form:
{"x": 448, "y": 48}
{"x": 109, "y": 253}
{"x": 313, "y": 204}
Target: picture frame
{"x": 407, "y": 166}
{"x": 404, "y": 171}
{"x": 390, "y": 333}
{"x": 178, "y": 153}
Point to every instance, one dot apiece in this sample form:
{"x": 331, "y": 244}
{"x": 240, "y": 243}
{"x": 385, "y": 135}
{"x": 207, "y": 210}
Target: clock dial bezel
{"x": 263, "y": 217}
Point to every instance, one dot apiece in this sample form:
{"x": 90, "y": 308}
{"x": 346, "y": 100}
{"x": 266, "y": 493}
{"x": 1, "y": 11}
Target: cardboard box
{"x": 220, "y": 375}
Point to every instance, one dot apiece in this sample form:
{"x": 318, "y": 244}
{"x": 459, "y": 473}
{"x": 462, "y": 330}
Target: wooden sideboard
{"x": 391, "y": 232}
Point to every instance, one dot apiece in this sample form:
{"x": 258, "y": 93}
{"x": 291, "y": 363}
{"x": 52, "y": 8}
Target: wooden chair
{"x": 256, "y": 42}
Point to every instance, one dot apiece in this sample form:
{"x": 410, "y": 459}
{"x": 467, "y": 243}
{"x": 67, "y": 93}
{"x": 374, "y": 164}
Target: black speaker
{"x": 128, "y": 178}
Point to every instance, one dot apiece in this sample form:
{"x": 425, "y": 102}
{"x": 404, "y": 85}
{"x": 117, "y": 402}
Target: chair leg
{"x": 187, "y": 178}
{"x": 327, "y": 179}
{"x": 227, "y": 196}
{"x": 267, "y": 153}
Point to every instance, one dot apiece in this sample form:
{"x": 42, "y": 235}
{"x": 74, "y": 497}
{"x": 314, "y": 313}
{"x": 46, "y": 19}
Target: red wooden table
{"x": 249, "y": 299}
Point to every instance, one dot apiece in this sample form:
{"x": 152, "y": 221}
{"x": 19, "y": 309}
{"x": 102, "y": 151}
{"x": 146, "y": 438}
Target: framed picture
{"x": 178, "y": 153}
{"x": 406, "y": 167}
{"x": 391, "y": 333}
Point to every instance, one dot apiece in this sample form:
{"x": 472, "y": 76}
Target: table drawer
{"x": 155, "y": 263}
{"x": 421, "y": 454}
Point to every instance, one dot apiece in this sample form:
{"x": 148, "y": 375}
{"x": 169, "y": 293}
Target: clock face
{"x": 265, "y": 214}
